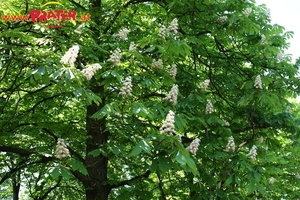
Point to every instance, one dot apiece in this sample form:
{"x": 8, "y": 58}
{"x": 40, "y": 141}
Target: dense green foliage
{"x": 117, "y": 147}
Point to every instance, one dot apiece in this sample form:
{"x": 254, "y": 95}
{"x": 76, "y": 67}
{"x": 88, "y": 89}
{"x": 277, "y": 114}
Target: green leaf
{"x": 69, "y": 74}
{"x": 163, "y": 164}
{"x": 154, "y": 165}
{"x": 89, "y": 97}
{"x": 251, "y": 186}
{"x": 228, "y": 181}
{"x": 55, "y": 173}
{"x": 46, "y": 79}
{"x": 65, "y": 172}
{"x": 106, "y": 110}
{"x": 256, "y": 176}
{"x": 192, "y": 165}
{"x": 57, "y": 74}
{"x": 145, "y": 146}
{"x": 180, "y": 158}
{"x": 137, "y": 150}
{"x": 261, "y": 189}
{"x": 95, "y": 152}
{"x": 183, "y": 157}
{"x": 74, "y": 164}
{"x": 83, "y": 169}
{"x": 140, "y": 110}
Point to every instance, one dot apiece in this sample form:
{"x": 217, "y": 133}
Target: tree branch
{"x": 160, "y": 185}
{"x": 77, "y": 4}
{"x": 24, "y": 164}
{"x": 71, "y": 150}
{"x": 126, "y": 5}
{"x": 51, "y": 189}
{"x": 13, "y": 170}
{"x": 127, "y": 182}
{"x": 16, "y": 150}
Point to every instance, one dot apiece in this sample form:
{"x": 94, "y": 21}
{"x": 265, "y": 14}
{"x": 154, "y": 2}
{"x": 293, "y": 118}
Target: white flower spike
{"x": 230, "y": 145}
{"x": 252, "y": 154}
{"x": 193, "y": 147}
{"x": 168, "y": 125}
{"x": 61, "y": 149}
{"x": 157, "y": 63}
{"x": 162, "y": 32}
{"x": 209, "y": 107}
{"x": 204, "y": 85}
{"x": 173, "y": 71}
{"x": 90, "y": 71}
{"x": 70, "y": 56}
{"x": 127, "y": 87}
{"x": 247, "y": 12}
{"x": 172, "y": 96}
{"x": 115, "y": 57}
{"x": 258, "y": 82}
{"x": 173, "y": 26}
{"x": 123, "y": 33}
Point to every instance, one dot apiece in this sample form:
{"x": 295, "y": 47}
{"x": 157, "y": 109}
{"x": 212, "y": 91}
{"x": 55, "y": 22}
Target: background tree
{"x": 115, "y": 108}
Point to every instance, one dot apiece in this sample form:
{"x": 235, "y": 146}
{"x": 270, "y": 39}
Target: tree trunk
{"x": 96, "y": 166}
{"x": 97, "y": 135}
{"x": 16, "y": 187}
{"x": 98, "y": 193}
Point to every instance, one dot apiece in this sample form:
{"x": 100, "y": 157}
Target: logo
{"x": 51, "y": 18}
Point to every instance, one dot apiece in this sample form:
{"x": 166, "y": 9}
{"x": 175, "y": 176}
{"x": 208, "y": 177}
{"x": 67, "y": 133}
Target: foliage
{"x": 117, "y": 147}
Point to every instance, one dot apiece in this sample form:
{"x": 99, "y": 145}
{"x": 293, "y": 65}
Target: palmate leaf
{"x": 183, "y": 157}
{"x": 61, "y": 171}
{"x": 55, "y": 173}
{"x": 141, "y": 146}
{"x": 140, "y": 110}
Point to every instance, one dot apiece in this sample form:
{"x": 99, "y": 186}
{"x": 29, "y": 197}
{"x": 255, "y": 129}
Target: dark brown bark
{"x": 94, "y": 182}
{"x": 96, "y": 165}
{"x": 16, "y": 186}
{"x": 97, "y": 136}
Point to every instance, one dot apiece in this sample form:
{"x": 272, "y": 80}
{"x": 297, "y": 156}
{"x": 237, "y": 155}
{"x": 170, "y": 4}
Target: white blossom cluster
{"x": 204, "y": 84}
{"x": 115, "y": 57}
{"x": 162, "y": 32}
{"x": 222, "y": 19}
{"x": 123, "y": 33}
{"x": 247, "y": 12}
{"x": 157, "y": 63}
{"x": 70, "y": 56}
{"x": 90, "y": 71}
{"x": 173, "y": 26}
{"x": 127, "y": 87}
{"x": 279, "y": 57}
{"x": 260, "y": 139}
{"x": 172, "y": 95}
{"x": 168, "y": 124}
{"x": 193, "y": 147}
{"x": 271, "y": 180}
{"x": 132, "y": 46}
{"x": 173, "y": 71}
{"x": 252, "y": 154}
{"x": 257, "y": 82}
{"x": 263, "y": 40}
{"x": 230, "y": 145}
{"x": 209, "y": 107}
{"x": 61, "y": 149}
{"x": 297, "y": 176}
{"x": 226, "y": 123}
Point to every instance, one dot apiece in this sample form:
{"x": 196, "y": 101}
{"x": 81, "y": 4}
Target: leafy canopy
{"x": 112, "y": 107}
